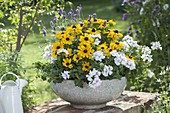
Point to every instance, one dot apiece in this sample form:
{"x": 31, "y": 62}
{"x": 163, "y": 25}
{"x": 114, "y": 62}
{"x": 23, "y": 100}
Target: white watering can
{"x": 10, "y": 95}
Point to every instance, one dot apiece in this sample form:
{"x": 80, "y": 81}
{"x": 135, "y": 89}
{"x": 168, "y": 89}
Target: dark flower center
{"x": 116, "y": 31}
{"x": 81, "y": 25}
{"x": 87, "y": 67}
{"x": 102, "y": 47}
{"x": 85, "y": 51}
{"x": 130, "y": 57}
{"x": 67, "y": 64}
{"x": 58, "y": 47}
{"x": 86, "y": 38}
{"x": 67, "y": 39}
{"x": 73, "y": 26}
{"x": 93, "y": 30}
{"x": 117, "y": 43}
{"x": 110, "y": 50}
{"x": 95, "y": 19}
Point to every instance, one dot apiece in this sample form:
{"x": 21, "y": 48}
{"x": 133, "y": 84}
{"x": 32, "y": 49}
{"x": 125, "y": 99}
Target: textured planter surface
{"x": 87, "y": 97}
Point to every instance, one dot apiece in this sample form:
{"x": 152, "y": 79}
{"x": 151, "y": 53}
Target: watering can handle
{"x": 10, "y": 74}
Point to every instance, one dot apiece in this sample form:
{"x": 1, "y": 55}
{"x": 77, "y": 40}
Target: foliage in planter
{"x": 91, "y": 50}
{"x": 150, "y": 22}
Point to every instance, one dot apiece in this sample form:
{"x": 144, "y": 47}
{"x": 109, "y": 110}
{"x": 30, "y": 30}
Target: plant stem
{"x": 18, "y": 44}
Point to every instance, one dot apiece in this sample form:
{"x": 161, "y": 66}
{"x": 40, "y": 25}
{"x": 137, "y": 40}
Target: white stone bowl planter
{"x": 87, "y": 97}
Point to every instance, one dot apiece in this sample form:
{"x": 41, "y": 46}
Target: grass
{"x": 33, "y": 47}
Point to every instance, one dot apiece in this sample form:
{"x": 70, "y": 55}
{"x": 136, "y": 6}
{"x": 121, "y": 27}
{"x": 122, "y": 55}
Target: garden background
{"x": 39, "y": 91}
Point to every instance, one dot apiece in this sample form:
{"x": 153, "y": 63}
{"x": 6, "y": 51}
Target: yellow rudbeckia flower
{"x": 86, "y": 66}
{"x": 57, "y": 45}
{"x": 86, "y": 38}
{"x": 77, "y": 58}
{"x": 119, "y": 45}
{"x": 102, "y": 47}
{"x": 67, "y": 63}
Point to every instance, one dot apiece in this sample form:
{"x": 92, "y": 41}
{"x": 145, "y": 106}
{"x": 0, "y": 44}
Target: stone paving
{"x": 129, "y": 102}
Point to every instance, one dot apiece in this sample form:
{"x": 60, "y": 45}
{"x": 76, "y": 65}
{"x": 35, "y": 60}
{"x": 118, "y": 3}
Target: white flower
{"x": 93, "y": 73}
{"x": 47, "y": 48}
{"x": 146, "y": 50}
{"x": 130, "y": 64}
{"x": 127, "y": 37}
{"x": 141, "y": 11}
{"x": 120, "y": 58}
{"x": 169, "y": 85}
{"x": 146, "y": 1}
{"x": 47, "y": 55}
{"x": 95, "y": 83}
{"x": 156, "y": 45}
{"x": 150, "y": 73}
{"x": 158, "y": 80}
{"x": 165, "y": 6}
{"x": 62, "y": 51}
{"x": 117, "y": 61}
{"x": 95, "y": 35}
{"x": 97, "y": 41}
{"x": 147, "y": 57}
{"x": 114, "y": 53}
{"x": 107, "y": 70}
{"x": 126, "y": 46}
{"x": 128, "y": 41}
{"x": 98, "y": 56}
{"x": 65, "y": 75}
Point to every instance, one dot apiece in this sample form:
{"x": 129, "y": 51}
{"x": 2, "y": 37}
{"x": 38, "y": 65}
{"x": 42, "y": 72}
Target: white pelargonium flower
{"x": 95, "y": 35}
{"x": 95, "y": 83}
{"x": 93, "y": 73}
{"x": 147, "y": 57}
{"x": 156, "y": 45}
{"x": 98, "y": 56}
{"x": 47, "y": 55}
{"x": 47, "y": 48}
{"x": 165, "y": 6}
{"x": 65, "y": 75}
{"x": 107, "y": 70}
{"x": 127, "y": 37}
{"x": 128, "y": 41}
{"x": 114, "y": 53}
{"x": 97, "y": 41}
{"x": 62, "y": 51}
{"x": 120, "y": 58}
{"x": 146, "y": 50}
{"x": 150, "y": 73}
{"x": 130, "y": 64}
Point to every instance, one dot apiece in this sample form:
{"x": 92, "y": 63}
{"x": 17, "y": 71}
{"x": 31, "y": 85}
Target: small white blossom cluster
{"x": 165, "y": 7}
{"x": 107, "y": 70}
{"x": 65, "y": 75}
{"x": 97, "y": 38}
{"x": 150, "y": 73}
{"x": 47, "y": 52}
{"x": 129, "y": 42}
{"x": 94, "y": 76}
{"x": 120, "y": 59}
{"x": 146, "y": 56}
{"x": 98, "y": 56}
{"x": 156, "y": 45}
